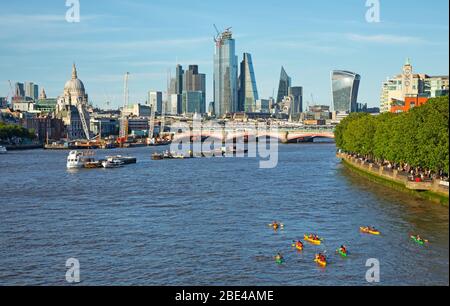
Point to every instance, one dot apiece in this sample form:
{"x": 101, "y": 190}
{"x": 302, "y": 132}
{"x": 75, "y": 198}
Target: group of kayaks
{"x": 320, "y": 258}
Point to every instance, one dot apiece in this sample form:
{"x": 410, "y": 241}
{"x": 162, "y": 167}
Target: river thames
{"x": 204, "y": 222}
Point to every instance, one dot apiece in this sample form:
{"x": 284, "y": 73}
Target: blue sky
{"x": 146, "y": 38}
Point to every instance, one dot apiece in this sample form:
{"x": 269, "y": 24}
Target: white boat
{"x": 78, "y": 159}
{"x": 112, "y": 164}
{"x": 3, "y": 150}
{"x": 126, "y": 160}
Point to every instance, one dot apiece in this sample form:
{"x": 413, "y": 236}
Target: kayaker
{"x": 279, "y": 257}
{"x": 418, "y": 238}
{"x": 343, "y": 249}
{"x": 299, "y": 244}
{"x": 275, "y": 225}
{"x": 321, "y": 257}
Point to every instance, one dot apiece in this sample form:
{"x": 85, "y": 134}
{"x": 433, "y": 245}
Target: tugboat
{"x": 78, "y": 159}
{"x": 3, "y": 150}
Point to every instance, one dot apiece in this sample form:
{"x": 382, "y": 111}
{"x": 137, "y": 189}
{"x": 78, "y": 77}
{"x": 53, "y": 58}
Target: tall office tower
{"x": 36, "y": 92}
{"x": 179, "y": 80}
{"x": 225, "y": 74}
{"x": 285, "y": 83}
{"x": 248, "y": 91}
{"x": 20, "y": 90}
{"x": 195, "y": 82}
{"x": 345, "y": 86}
{"x": 29, "y": 89}
{"x": 155, "y": 100}
{"x": 173, "y": 86}
{"x": 296, "y": 93}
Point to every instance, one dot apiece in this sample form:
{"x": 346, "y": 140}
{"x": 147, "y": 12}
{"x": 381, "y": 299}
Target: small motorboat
{"x": 126, "y": 160}
{"x": 109, "y": 164}
{"x": 3, "y": 150}
{"x": 157, "y": 156}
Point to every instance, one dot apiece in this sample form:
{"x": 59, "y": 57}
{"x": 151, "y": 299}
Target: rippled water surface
{"x": 204, "y": 222}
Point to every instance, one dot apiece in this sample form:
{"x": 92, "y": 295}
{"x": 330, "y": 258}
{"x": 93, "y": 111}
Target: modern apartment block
{"x": 408, "y": 84}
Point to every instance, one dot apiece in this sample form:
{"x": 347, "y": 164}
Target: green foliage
{"x": 10, "y": 130}
{"x": 419, "y": 137}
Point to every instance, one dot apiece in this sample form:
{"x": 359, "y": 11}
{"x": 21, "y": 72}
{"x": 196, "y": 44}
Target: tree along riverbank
{"x": 417, "y": 142}
{"x": 436, "y": 191}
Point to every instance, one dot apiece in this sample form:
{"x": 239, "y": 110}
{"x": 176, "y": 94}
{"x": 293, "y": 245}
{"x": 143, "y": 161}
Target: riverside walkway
{"x": 437, "y": 187}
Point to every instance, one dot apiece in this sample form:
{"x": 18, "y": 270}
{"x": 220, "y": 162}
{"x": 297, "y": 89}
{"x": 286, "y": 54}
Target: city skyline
{"x": 107, "y": 43}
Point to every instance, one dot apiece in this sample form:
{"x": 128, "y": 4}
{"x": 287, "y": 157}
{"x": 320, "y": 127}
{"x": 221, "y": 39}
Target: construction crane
{"x": 163, "y": 107}
{"x": 124, "y": 119}
{"x": 151, "y": 127}
{"x": 83, "y": 119}
{"x": 11, "y": 94}
{"x": 216, "y": 38}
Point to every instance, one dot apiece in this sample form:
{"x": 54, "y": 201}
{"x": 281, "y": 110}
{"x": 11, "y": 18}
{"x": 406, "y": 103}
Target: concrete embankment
{"x": 433, "y": 191}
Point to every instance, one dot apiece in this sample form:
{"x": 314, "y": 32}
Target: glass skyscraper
{"x": 283, "y": 88}
{"x": 296, "y": 93}
{"x": 194, "y": 81}
{"x": 179, "y": 80}
{"x": 225, "y": 75}
{"x": 248, "y": 92}
{"x": 345, "y": 86}
{"x": 192, "y": 102}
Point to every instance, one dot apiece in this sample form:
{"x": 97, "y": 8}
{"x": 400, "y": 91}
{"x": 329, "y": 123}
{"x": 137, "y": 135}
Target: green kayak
{"x": 420, "y": 242}
{"x": 342, "y": 253}
{"x": 279, "y": 261}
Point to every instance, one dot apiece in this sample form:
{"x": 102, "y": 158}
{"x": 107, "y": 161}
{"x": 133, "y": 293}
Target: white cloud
{"x": 107, "y": 45}
{"x": 385, "y": 39}
{"x": 27, "y": 19}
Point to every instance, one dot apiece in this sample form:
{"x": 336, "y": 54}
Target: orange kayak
{"x": 313, "y": 241}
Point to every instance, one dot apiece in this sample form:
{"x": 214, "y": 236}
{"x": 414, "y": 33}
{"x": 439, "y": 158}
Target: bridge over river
{"x": 284, "y": 135}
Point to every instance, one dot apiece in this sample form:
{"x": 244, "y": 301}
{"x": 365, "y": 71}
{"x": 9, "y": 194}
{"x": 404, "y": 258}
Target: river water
{"x": 204, "y": 222}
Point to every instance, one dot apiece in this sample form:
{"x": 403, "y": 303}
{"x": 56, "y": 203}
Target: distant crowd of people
{"x": 415, "y": 174}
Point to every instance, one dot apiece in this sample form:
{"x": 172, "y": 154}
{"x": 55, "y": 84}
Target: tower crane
{"x": 216, "y": 38}
{"x": 124, "y": 125}
{"x": 11, "y": 94}
{"x": 83, "y": 119}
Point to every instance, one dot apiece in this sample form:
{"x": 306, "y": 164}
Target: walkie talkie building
{"x": 345, "y": 87}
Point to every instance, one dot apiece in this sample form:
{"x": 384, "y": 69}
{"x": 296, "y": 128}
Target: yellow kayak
{"x": 366, "y": 230}
{"x": 313, "y": 241}
{"x": 320, "y": 262}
